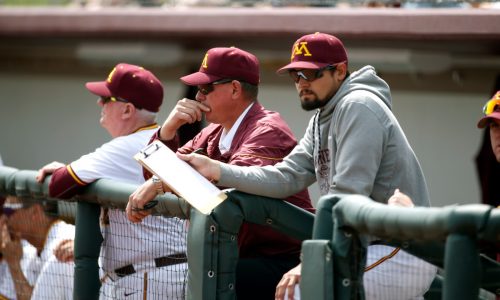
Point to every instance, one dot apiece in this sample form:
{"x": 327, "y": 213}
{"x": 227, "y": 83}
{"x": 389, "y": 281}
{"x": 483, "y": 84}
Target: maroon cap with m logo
{"x": 314, "y": 51}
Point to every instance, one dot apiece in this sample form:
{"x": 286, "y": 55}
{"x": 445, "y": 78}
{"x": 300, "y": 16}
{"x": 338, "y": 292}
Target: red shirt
{"x": 263, "y": 138}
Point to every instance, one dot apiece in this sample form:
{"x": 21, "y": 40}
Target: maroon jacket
{"x": 263, "y": 138}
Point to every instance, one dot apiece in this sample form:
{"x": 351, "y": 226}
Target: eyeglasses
{"x": 112, "y": 99}
{"x": 105, "y": 100}
{"x": 206, "y": 89}
{"x": 492, "y": 105}
{"x": 10, "y": 208}
{"x": 309, "y": 74}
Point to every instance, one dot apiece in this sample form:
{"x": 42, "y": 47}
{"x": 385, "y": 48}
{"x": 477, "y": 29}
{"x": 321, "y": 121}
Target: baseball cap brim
{"x": 487, "y": 119}
{"x": 302, "y": 65}
{"x": 199, "y": 78}
{"x": 98, "y": 88}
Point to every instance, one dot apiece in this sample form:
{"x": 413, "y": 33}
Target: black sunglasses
{"x": 309, "y": 74}
{"x": 206, "y": 89}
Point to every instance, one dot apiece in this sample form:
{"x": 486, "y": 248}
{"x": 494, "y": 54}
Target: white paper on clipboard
{"x": 183, "y": 179}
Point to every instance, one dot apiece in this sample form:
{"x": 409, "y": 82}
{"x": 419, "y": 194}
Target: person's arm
{"x": 64, "y": 183}
{"x": 284, "y": 179}
{"x": 13, "y": 252}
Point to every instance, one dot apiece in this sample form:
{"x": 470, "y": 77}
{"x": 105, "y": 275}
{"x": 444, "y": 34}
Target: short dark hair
{"x": 250, "y": 90}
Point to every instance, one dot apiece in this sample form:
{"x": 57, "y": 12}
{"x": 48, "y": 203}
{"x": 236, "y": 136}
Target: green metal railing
{"x": 88, "y": 237}
{"x": 449, "y": 237}
{"x": 334, "y": 250}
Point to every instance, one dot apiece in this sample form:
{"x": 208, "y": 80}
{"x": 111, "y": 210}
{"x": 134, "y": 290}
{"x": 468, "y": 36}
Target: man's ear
{"x": 128, "y": 110}
{"x": 341, "y": 71}
{"x": 237, "y": 88}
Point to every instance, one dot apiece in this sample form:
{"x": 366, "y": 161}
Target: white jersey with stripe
{"x": 125, "y": 242}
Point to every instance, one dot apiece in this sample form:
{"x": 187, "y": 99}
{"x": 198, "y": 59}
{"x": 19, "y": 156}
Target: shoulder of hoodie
{"x": 354, "y": 102}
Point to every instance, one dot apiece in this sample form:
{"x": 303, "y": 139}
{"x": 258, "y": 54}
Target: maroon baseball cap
{"x": 133, "y": 84}
{"x": 225, "y": 63}
{"x": 314, "y": 51}
{"x": 491, "y": 110}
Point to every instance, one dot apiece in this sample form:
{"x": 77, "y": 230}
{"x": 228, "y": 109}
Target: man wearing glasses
{"x": 353, "y": 145}
{"x": 139, "y": 261}
{"x": 242, "y": 133}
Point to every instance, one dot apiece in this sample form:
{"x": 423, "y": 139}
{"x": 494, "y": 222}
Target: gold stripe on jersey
{"x": 152, "y": 126}
{"x": 2, "y": 297}
{"x": 72, "y": 173}
{"x": 378, "y": 262}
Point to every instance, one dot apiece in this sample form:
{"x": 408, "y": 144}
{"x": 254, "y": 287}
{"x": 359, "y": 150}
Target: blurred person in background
{"x": 139, "y": 261}
{"x": 39, "y": 276}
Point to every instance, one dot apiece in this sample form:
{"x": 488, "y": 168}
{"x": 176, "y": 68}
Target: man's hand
{"x": 142, "y": 195}
{"x": 65, "y": 251}
{"x": 400, "y": 199}
{"x": 287, "y": 284}
{"x": 207, "y": 167}
{"x": 47, "y": 170}
{"x": 11, "y": 248}
{"x": 185, "y": 111}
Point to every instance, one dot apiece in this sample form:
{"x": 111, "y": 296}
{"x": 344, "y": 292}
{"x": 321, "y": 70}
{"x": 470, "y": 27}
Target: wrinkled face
{"x": 495, "y": 138}
{"x": 218, "y": 97}
{"x": 111, "y": 115}
{"x": 315, "y": 87}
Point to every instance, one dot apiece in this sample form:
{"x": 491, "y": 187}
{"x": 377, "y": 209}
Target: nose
{"x": 200, "y": 97}
{"x": 302, "y": 82}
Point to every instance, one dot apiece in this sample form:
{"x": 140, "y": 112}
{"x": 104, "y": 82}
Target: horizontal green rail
{"x": 105, "y": 192}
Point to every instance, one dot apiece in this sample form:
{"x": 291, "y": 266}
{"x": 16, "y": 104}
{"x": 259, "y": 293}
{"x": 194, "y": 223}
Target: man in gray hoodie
{"x": 352, "y": 145}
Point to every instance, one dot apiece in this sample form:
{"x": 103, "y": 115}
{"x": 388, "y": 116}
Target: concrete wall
{"x": 46, "y": 117}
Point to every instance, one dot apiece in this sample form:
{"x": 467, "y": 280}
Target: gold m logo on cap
{"x": 204, "y": 63}
{"x": 300, "y": 50}
{"x": 111, "y": 75}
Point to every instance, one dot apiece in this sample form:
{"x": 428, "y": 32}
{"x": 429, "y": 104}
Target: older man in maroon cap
{"x": 242, "y": 133}
{"x": 139, "y": 261}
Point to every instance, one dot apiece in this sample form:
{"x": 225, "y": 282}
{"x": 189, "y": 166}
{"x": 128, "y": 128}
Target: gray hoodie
{"x": 352, "y": 145}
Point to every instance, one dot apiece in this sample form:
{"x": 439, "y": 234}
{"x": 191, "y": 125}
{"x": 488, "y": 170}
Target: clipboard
{"x": 182, "y": 179}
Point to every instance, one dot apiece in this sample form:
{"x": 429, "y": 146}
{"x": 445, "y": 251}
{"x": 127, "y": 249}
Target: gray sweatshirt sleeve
{"x": 292, "y": 175}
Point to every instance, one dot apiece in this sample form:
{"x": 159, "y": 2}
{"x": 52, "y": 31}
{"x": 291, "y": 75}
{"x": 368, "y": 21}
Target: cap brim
{"x": 487, "y": 119}
{"x": 98, "y": 88}
{"x": 302, "y": 65}
{"x": 199, "y": 78}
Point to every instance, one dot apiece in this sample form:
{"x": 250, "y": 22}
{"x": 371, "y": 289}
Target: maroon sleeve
{"x": 63, "y": 184}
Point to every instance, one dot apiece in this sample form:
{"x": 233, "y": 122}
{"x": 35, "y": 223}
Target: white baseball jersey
{"x": 55, "y": 279}
{"x": 125, "y": 242}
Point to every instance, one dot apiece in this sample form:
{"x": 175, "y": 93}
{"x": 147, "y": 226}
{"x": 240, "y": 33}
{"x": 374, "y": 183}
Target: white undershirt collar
{"x": 227, "y": 137}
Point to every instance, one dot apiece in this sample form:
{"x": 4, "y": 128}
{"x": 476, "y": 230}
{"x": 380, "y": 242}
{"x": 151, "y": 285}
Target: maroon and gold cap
{"x": 133, "y": 84}
{"x": 491, "y": 111}
{"x": 225, "y": 63}
{"x": 314, "y": 51}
